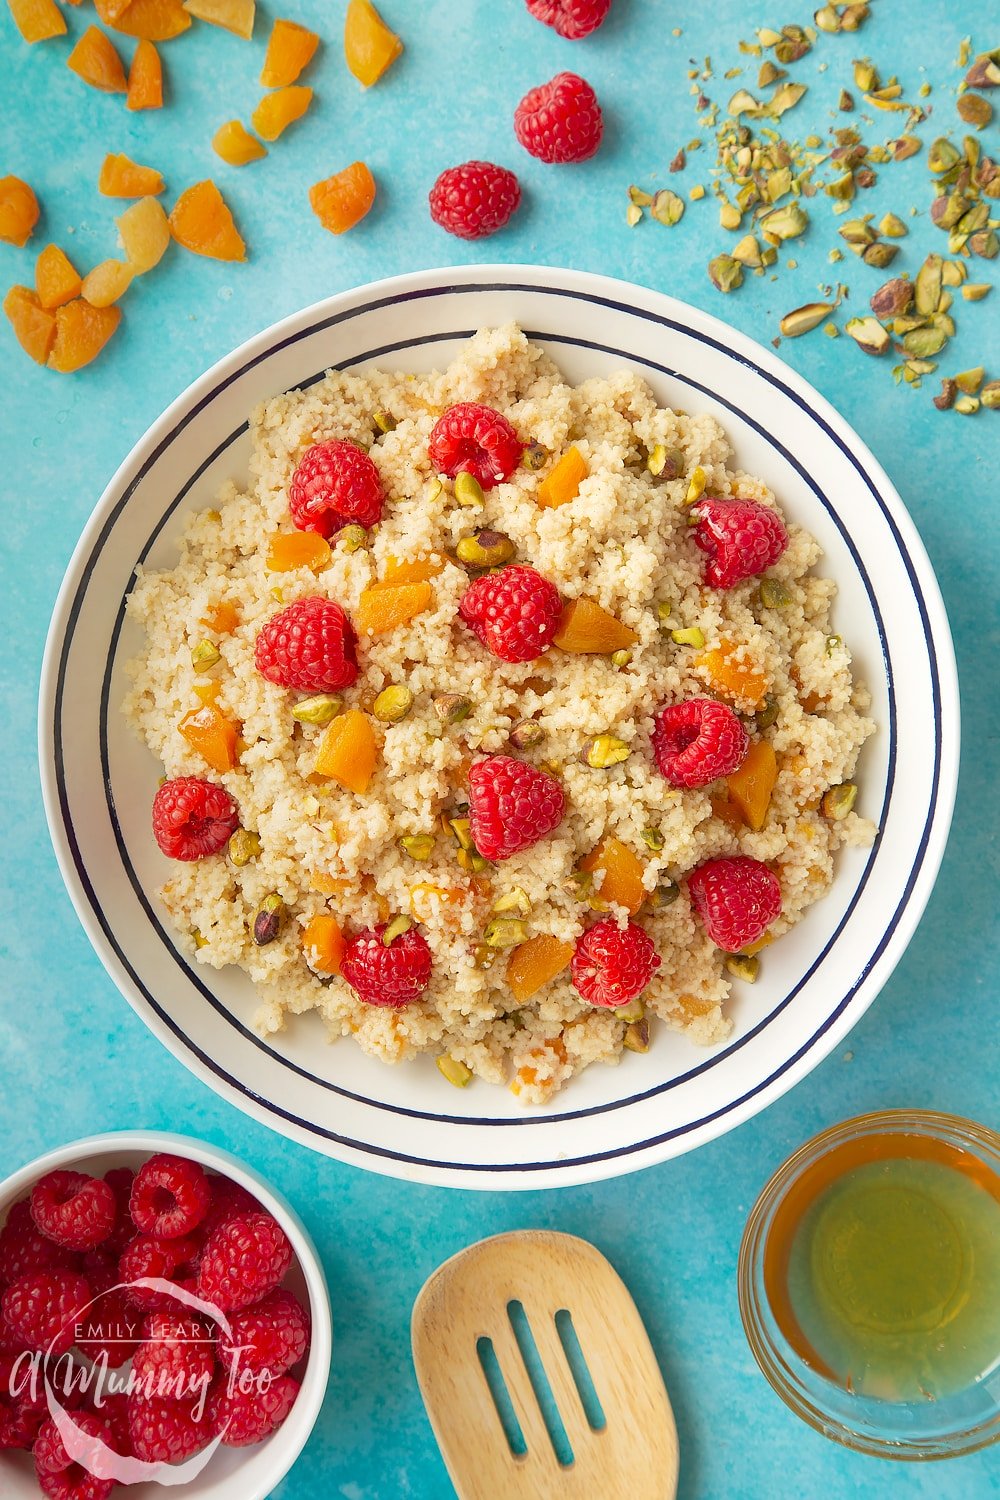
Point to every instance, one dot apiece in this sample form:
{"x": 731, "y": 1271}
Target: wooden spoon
{"x": 475, "y": 1296}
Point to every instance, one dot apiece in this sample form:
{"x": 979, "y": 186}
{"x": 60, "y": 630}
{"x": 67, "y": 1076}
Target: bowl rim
{"x": 315, "y": 1381}
{"x": 630, "y": 299}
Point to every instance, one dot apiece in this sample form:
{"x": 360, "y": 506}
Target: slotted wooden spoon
{"x": 632, "y": 1457}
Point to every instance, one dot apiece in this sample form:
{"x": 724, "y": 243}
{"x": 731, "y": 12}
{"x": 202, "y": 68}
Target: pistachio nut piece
{"x": 392, "y": 704}
{"x": 454, "y": 1071}
{"x": 319, "y": 709}
{"x": 395, "y": 929}
{"x": 268, "y": 920}
{"x": 804, "y": 319}
{"x": 485, "y": 549}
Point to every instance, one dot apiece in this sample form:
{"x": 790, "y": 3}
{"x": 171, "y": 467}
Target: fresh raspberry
{"x": 24, "y": 1249}
{"x": 309, "y": 646}
{"x": 395, "y": 975}
{"x": 230, "y": 1200}
{"x": 156, "y": 1260}
{"x": 23, "y": 1405}
{"x": 560, "y": 121}
{"x": 110, "y": 1329}
{"x": 170, "y": 1197}
{"x": 335, "y": 484}
{"x": 612, "y": 964}
{"x": 164, "y": 1431}
{"x": 244, "y": 1419}
{"x": 515, "y": 613}
{"x": 572, "y": 19}
{"x": 273, "y": 1335}
{"x": 61, "y": 1477}
{"x": 244, "y": 1260}
{"x": 698, "y": 741}
{"x": 511, "y": 805}
{"x": 477, "y": 440}
{"x": 112, "y": 1409}
{"x": 474, "y": 200}
{"x": 737, "y": 899}
{"x": 75, "y": 1210}
{"x": 120, "y": 1180}
{"x": 193, "y": 818}
{"x": 742, "y": 538}
{"x": 43, "y": 1308}
{"x": 177, "y": 1355}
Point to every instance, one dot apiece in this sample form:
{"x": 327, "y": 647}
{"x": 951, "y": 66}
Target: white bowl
{"x": 98, "y": 781}
{"x": 232, "y": 1473}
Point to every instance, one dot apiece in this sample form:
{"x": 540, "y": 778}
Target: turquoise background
{"x": 74, "y": 1057}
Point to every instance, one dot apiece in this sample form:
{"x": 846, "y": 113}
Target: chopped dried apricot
{"x": 347, "y": 751}
{"x": 562, "y": 483}
{"x": 56, "y": 278}
{"x": 145, "y": 78}
{"x": 107, "y": 282}
{"x": 426, "y": 899}
{"x": 212, "y": 736}
{"x": 398, "y": 570}
{"x": 323, "y": 943}
{"x": 34, "y": 325}
{"x": 382, "y": 609}
{"x": 123, "y": 178}
{"x": 233, "y": 15}
{"x": 277, "y": 111}
{"x": 37, "y": 20}
{"x": 149, "y": 20}
{"x": 145, "y": 234}
{"x": 297, "y": 549}
{"x": 369, "y": 45}
{"x": 223, "y": 618}
{"x": 731, "y": 672}
{"x": 587, "y": 629}
{"x": 95, "y": 60}
{"x": 727, "y": 811}
{"x": 751, "y": 785}
{"x": 208, "y": 691}
{"x": 202, "y": 222}
{"x": 290, "y": 49}
{"x": 81, "y": 333}
{"x": 534, "y": 963}
{"x": 623, "y": 869}
{"x": 341, "y": 201}
{"x": 18, "y": 211}
{"x": 234, "y": 143}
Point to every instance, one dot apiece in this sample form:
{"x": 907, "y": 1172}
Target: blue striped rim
{"x": 365, "y": 1147}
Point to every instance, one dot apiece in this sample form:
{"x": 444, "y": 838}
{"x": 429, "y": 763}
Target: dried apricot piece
{"x": 145, "y": 234}
{"x": 81, "y": 333}
{"x": 383, "y": 609}
{"x": 623, "y": 870}
{"x": 399, "y": 571}
{"x": 534, "y": 963}
{"x": 223, "y": 618}
{"x": 233, "y": 15}
{"x": 107, "y": 282}
{"x": 586, "y": 629}
{"x": 347, "y": 751}
{"x": 369, "y": 45}
{"x": 56, "y": 278}
{"x": 145, "y": 78}
{"x": 290, "y": 48}
{"x": 123, "y": 178}
{"x": 323, "y": 943}
{"x": 562, "y": 483}
{"x": 277, "y": 111}
{"x": 234, "y": 143}
{"x": 34, "y": 325}
{"x": 18, "y": 211}
{"x": 297, "y": 549}
{"x": 37, "y": 20}
{"x": 149, "y": 20}
{"x": 340, "y": 201}
{"x": 202, "y": 223}
{"x": 95, "y": 60}
{"x": 751, "y": 785}
{"x": 734, "y": 674}
{"x": 212, "y": 735}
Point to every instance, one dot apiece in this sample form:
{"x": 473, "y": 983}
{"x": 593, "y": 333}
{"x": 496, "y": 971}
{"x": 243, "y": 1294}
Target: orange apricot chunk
{"x": 123, "y": 178}
{"x": 95, "y": 60}
{"x": 223, "y": 618}
{"x": 736, "y": 677}
{"x": 534, "y": 963}
{"x": 762, "y": 942}
{"x": 382, "y": 609}
{"x": 18, "y": 211}
{"x": 562, "y": 483}
{"x": 149, "y": 20}
{"x": 145, "y": 234}
{"x": 323, "y": 943}
{"x": 587, "y": 629}
{"x": 81, "y": 333}
{"x": 329, "y": 885}
{"x": 208, "y": 691}
{"x": 751, "y": 784}
{"x": 56, "y": 278}
{"x": 234, "y": 143}
{"x": 202, "y": 223}
{"x": 212, "y": 735}
{"x": 107, "y": 282}
{"x": 369, "y": 45}
{"x": 623, "y": 870}
{"x": 426, "y": 899}
{"x": 727, "y": 812}
{"x": 341, "y": 201}
{"x": 145, "y": 78}
{"x": 347, "y": 751}
{"x": 277, "y": 111}
{"x": 287, "y": 550}
{"x": 233, "y": 15}
{"x": 290, "y": 49}
{"x": 34, "y": 325}
{"x": 37, "y": 20}
{"x": 398, "y": 570}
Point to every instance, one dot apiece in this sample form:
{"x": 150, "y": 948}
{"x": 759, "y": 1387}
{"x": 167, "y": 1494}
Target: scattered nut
{"x": 452, "y": 708}
{"x": 468, "y": 491}
{"x": 535, "y": 456}
{"x": 513, "y": 900}
{"x": 384, "y": 421}
{"x": 268, "y": 920}
{"x": 205, "y": 655}
{"x": 653, "y": 839}
{"x": 743, "y": 966}
{"x": 636, "y": 1037}
{"x": 526, "y": 734}
{"x": 395, "y": 929}
{"x": 352, "y": 538}
{"x": 969, "y": 381}
{"x": 773, "y": 594}
{"x": 692, "y": 636}
{"x": 868, "y": 334}
{"x": 418, "y": 845}
{"x": 665, "y": 463}
{"x": 454, "y": 1071}
{"x": 485, "y": 549}
{"x": 725, "y": 273}
{"x": 974, "y": 110}
{"x": 667, "y": 207}
{"x": 893, "y": 299}
{"x": 804, "y": 319}
{"x": 621, "y": 658}
{"x": 317, "y": 710}
{"x": 839, "y": 800}
{"x": 392, "y": 704}
{"x": 604, "y": 751}
{"x": 946, "y": 400}
{"x": 505, "y": 932}
{"x": 664, "y": 895}
{"x": 243, "y": 847}
{"x": 989, "y": 396}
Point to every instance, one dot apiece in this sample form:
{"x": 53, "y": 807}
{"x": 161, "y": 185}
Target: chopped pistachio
{"x": 452, "y": 708}
{"x": 785, "y": 97}
{"x": 579, "y": 884}
{"x": 418, "y": 845}
{"x": 853, "y": 15}
{"x": 636, "y": 1037}
{"x": 483, "y": 957}
{"x": 767, "y": 37}
{"x": 833, "y": 644}
{"x": 785, "y": 223}
{"x": 846, "y": 101}
{"x": 604, "y": 751}
{"x": 865, "y": 75}
{"x": 353, "y": 538}
{"x": 460, "y": 829}
{"x": 942, "y": 155}
{"x": 653, "y": 839}
{"x": 892, "y": 227}
{"x": 827, "y": 19}
{"x": 766, "y": 716}
{"x": 927, "y": 286}
{"x": 664, "y": 894}
{"x": 691, "y": 636}
{"x": 969, "y": 381}
{"x": 454, "y": 1071}
{"x": 472, "y": 861}
{"x": 384, "y": 421}
{"x": 696, "y": 485}
{"x": 526, "y": 734}
{"x": 243, "y": 847}
{"x": 621, "y": 658}
{"x": 317, "y": 710}
{"x": 639, "y": 196}
{"x": 868, "y": 334}
{"x": 804, "y": 319}
{"x": 974, "y": 110}
{"x": 858, "y": 233}
{"x": 505, "y": 932}
{"x": 985, "y": 243}
{"x": 905, "y": 146}
{"x": 667, "y": 207}
{"x": 199, "y": 938}
{"x": 205, "y": 655}
{"x": 696, "y": 193}
{"x": 665, "y": 463}
{"x": 831, "y": 330}
{"x": 880, "y": 254}
{"x": 513, "y": 900}
{"x": 745, "y": 966}
{"x": 395, "y": 929}
{"x": 774, "y": 594}
{"x": 268, "y": 920}
{"x": 468, "y": 490}
{"x": 838, "y": 801}
{"x": 747, "y": 252}
{"x": 678, "y": 161}
{"x": 485, "y": 549}
{"x": 729, "y": 216}
{"x": 392, "y": 704}
{"x": 989, "y": 396}
{"x": 923, "y": 342}
{"x": 946, "y": 400}
{"x": 967, "y": 405}
{"x": 535, "y": 456}
{"x": 633, "y": 1011}
{"x": 769, "y": 73}
{"x": 633, "y": 215}
{"x": 892, "y": 299}
{"x": 985, "y": 72}
{"x": 726, "y": 274}
{"x": 742, "y": 102}
{"x": 975, "y": 291}
{"x": 841, "y": 188}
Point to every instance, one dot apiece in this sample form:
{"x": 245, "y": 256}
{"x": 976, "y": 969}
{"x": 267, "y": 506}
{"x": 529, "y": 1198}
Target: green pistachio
{"x": 452, "y": 708}
{"x": 784, "y": 223}
{"x": 653, "y": 839}
{"x": 352, "y": 538}
{"x": 974, "y": 110}
{"x": 513, "y": 900}
{"x": 923, "y": 342}
{"x": 243, "y": 847}
{"x": 395, "y": 929}
{"x": 865, "y": 75}
{"x": 317, "y": 710}
{"x": 505, "y": 932}
{"x": 967, "y": 405}
{"x": 691, "y": 636}
{"x": 664, "y": 895}
{"x": 667, "y": 207}
{"x": 636, "y": 1037}
{"x": 384, "y": 421}
{"x": 985, "y": 244}
{"x": 418, "y": 845}
{"x": 881, "y": 254}
{"x": 205, "y": 655}
{"x": 604, "y": 751}
{"x": 392, "y": 704}
{"x": 621, "y": 658}
{"x": 868, "y": 334}
{"x": 839, "y": 800}
{"x": 633, "y": 1011}
{"x": 268, "y": 920}
{"x": 892, "y": 227}
{"x": 468, "y": 490}
{"x": 535, "y": 456}
{"x": 743, "y": 966}
{"x": 942, "y": 155}
{"x": 975, "y": 291}
{"x": 989, "y": 396}
{"x": 804, "y": 319}
{"x": 768, "y": 714}
{"x": 454, "y": 1071}
{"x": 969, "y": 381}
{"x": 747, "y": 252}
{"x": 665, "y": 463}
{"x": 774, "y": 594}
{"x": 725, "y": 273}
{"x": 485, "y": 549}
{"x": 639, "y": 196}
{"x": 472, "y": 861}
{"x": 526, "y": 734}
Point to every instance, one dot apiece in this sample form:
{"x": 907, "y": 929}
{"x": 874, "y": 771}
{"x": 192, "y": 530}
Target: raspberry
{"x": 511, "y": 805}
{"x": 148, "y": 1259}
{"x": 612, "y": 964}
{"x": 43, "y": 1308}
{"x": 742, "y": 538}
{"x": 477, "y": 440}
{"x": 572, "y": 19}
{"x": 244, "y": 1419}
{"x": 474, "y": 200}
{"x": 698, "y": 741}
{"x": 193, "y": 818}
{"x": 23, "y": 1406}
{"x": 164, "y": 1431}
{"x": 309, "y": 646}
{"x": 110, "y": 1329}
{"x": 24, "y": 1249}
{"x": 244, "y": 1260}
{"x": 560, "y": 121}
{"x": 395, "y": 975}
{"x": 335, "y": 484}
{"x": 112, "y": 1408}
{"x": 273, "y": 1335}
{"x": 120, "y": 1180}
{"x": 515, "y": 613}
{"x": 170, "y": 1197}
{"x": 737, "y": 900}
{"x": 177, "y": 1355}
{"x": 76, "y": 1211}
{"x": 229, "y": 1201}
{"x": 61, "y": 1477}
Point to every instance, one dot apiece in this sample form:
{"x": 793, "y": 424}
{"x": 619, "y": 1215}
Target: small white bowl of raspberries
{"x": 164, "y": 1322}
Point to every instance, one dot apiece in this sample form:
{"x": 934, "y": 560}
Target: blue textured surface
{"x": 75, "y": 1058}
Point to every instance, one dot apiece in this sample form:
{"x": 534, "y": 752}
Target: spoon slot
{"x": 547, "y": 1404}
{"x": 580, "y": 1370}
{"x": 501, "y": 1397}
